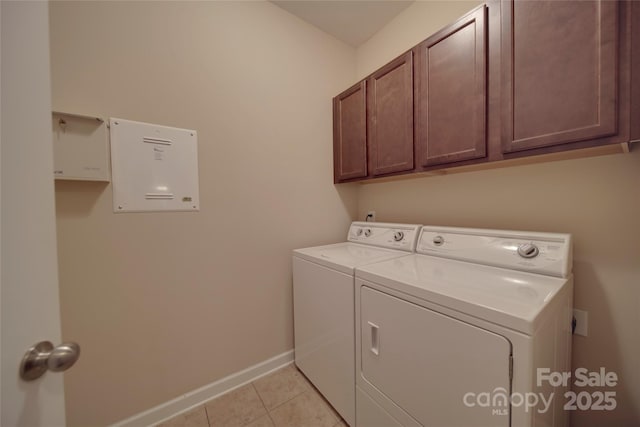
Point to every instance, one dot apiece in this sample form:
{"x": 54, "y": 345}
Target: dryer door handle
{"x": 375, "y": 338}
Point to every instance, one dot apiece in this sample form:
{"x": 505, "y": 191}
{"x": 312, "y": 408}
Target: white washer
{"x": 447, "y": 336}
{"x": 323, "y": 305}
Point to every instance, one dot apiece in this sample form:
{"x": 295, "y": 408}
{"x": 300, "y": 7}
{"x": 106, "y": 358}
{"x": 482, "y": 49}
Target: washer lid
{"x": 346, "y": 256}
{"x": 510, "y": 298}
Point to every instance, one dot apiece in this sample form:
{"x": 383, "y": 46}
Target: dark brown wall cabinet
{"x": 390, "y": 117}
{"x": 373, "y": 123}
{"x": 510, "y": 79}
{"x": 451, "y": 90}
{"x": 559, "y": 72}
{"x": 350, "y": 133}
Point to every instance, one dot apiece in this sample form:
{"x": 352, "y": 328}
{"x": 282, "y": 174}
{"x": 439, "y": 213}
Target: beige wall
{"x": 597, "y": 200}
{"x": 165, "y": 303}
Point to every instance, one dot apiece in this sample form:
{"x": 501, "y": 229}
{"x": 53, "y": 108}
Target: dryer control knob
{"x": 358, "y": 231}
{"x": 528, "y": 250}
{"x": 438, "y": 240}
{"x": 367, "y": 232}
{"x": 398, "y": 235}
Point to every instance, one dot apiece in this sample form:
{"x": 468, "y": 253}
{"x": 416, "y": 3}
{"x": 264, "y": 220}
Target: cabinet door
{"x": 390, "y": 122}
{"x": 350, "y": 133}
{"x": 559, "y": 71}
{"x": 451, "y": 91}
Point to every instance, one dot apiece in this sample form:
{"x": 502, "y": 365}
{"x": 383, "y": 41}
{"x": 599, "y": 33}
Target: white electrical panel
{"x": 154, "y": 168}
{"x": 80, "y": 147}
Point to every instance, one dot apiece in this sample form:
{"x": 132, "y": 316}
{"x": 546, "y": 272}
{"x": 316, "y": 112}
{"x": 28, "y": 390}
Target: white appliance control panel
{"x": 386, "y": 235}
{"x": 543, "y": 253}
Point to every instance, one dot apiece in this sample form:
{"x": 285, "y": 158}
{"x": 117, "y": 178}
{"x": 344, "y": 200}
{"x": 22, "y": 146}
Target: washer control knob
{"x": 528, "y": 250}
{"x": 358, "y": 231}
{"x": 438, "y": 240}
{"x": 367, "y": 232}
{"x": 398, "y": 235}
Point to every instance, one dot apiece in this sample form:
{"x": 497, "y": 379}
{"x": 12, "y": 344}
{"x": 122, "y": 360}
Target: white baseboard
{"x": 196, "y": 397}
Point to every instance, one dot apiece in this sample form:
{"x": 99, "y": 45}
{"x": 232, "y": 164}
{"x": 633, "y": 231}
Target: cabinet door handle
{"x": 375, "y": 338}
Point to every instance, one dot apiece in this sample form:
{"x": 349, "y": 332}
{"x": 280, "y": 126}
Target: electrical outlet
{"x": 371, "y": 216}
{"x": 582, "y": 322}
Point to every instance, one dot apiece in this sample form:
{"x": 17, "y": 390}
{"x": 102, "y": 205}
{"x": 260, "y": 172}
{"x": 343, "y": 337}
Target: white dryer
{"x": 454, "y": 334}
{"x": 324, "y": 306}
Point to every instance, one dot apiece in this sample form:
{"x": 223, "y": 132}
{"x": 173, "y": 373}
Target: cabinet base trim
{"x": 543, "y": 158}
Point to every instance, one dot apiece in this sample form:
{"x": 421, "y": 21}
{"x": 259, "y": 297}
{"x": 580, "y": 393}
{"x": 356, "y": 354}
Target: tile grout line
{"x": 261, "y": 401}
{"x": 207, "y": 413}
{"x": 259, "y": 397}
{"x": 271, "y": 418}
{"x": 306, "y": 386}
{"x": 333, "y": 411}
{"x": 287, "y": 401}
{"x": 312, "y": 390}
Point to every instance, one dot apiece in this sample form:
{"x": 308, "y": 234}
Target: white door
{"x": 29, "y": 306}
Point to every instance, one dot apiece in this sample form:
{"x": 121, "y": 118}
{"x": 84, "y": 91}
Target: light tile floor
{"x": 284, "y": 398}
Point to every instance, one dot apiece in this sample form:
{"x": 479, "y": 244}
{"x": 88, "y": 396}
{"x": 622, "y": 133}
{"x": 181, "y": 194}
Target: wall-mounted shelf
{"x": 80, "y": 147}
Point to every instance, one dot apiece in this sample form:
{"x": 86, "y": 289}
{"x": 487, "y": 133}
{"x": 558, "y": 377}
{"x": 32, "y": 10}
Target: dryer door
{"x": 432, "y": 366}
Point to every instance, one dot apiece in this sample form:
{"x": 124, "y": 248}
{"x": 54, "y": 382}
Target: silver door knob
{"x": 44, "y": 356}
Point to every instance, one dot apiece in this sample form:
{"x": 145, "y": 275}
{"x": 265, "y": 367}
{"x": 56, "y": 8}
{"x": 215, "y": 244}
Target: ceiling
{"x": 353, "y": 22}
